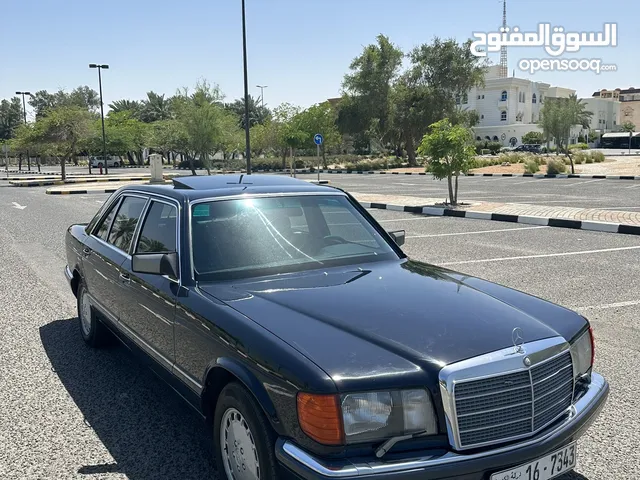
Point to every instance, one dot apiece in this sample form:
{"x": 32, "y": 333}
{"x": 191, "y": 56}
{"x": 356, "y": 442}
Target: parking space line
{"x": 633, "y": 186}
{"x": 543, "y": 255}
{"x": 610, "y": 305}
{"x": 582, "y": 183}
{"x": 408, "y": 219}
{"x": 473, "y": 233}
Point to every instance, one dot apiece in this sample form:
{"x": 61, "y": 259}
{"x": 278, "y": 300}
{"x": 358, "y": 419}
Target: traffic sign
{"x": 318, "y": 139}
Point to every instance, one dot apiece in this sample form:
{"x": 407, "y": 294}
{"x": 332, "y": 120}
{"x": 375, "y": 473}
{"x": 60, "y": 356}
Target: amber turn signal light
{"x": 319, "y": 417}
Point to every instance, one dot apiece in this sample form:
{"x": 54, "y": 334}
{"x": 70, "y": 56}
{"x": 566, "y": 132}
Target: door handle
{"x": 124, "y": 277}
{"x": 86, "y": 251}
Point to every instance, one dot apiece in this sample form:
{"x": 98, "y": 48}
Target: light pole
{"x": 262, "y": 87}
{"x": 246, "y": 92}
{"x": 24, "y": 113}
{"x": 104, "y": 137}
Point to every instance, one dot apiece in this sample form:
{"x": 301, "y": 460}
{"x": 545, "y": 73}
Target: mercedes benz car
{"x": 294, "y": 323}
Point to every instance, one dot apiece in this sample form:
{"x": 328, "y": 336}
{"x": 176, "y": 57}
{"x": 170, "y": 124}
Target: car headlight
{"x": 366, "y": 416}
{"x": 582, "y": 353}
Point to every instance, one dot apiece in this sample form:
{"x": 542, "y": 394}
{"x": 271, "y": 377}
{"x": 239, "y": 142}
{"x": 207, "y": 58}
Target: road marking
{"x": 100, "y": 201}
{"x": 18, "y": 206}
{"x": 408, "y": 219}
{"x": 610, "y": 305}
{"x": 520, "y": 183}
{"x": 473, "y": 233}
{"x": 618, "y": 208}
{"x": 633, "y": 186}
{"x": 582, "y": 183}
{"x": 408, "y": 184}
{"x": 545, "y": 255}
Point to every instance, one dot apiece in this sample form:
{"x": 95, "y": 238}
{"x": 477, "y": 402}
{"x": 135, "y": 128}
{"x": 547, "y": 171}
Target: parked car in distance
{"x": 184, "y": 165}
{"x": 531, "y": 148}
{"x": 100, "y": 162}
{"x": 294, "y": 323}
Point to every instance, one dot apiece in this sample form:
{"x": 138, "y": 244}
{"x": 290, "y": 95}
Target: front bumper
{"x": 452, "y": 465}
{"x": 68, "y": 274}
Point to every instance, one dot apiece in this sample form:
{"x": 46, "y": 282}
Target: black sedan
{"x": 286, "y": 315}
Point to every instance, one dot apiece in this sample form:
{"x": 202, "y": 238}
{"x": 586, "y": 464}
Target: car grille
{"x": 513, "y": 405}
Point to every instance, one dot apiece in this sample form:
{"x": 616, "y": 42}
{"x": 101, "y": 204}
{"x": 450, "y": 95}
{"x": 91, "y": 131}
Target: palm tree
{"x": 132, "y": 106}
{"x": 574, "y": 113}
{"x": 257, "y": 113}
{"x": 155, "y": 107}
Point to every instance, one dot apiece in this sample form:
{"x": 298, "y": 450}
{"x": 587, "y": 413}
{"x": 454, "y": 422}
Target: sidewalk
{"x": 84, "y": 179}
{"x": 595, "y": 219}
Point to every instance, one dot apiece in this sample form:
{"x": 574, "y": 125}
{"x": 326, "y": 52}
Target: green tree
{"x": 62, "y": 133}
{"x": 204, "y": 121}
{"x": 82, "y": 97}
{"x": 169, "y": 136}
{"x": 439, "y": 72}
{"x": 367, "y": 104}
{"x": 320, "y": 118}
{"x": 450, "y": 150}
{"x": 628, "y": 127}
{"x": 124, "y": 134}
{"x": 156, "y": 107}
{"x": 558, "y": 116}
{"x": 533, "y": 137}
{"x": 10, "y": 117}
{"x": 134, "y": 107}
{"x": 257, "y": 113}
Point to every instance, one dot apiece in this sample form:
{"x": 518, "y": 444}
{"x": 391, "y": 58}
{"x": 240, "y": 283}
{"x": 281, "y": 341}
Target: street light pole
{"x": 262, "y": 87}
{"x": 24, "y": 114}
{"x": 246, "y": 92}
{"x": 104, "y": 137}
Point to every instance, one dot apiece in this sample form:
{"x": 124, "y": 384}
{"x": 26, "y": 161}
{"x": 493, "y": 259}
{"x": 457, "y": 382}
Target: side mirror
{"x": 398, "y": 236}
{"x": 156, "y": 263}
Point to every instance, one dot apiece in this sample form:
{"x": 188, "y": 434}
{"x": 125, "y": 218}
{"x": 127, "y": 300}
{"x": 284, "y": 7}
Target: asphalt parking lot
{"x": 568, "y": 192}
{"x": 70, "y": 412}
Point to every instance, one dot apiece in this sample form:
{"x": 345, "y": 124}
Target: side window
{"x": 103, "y": 229}
{"x": 125, "y": 222}
{"x": 340, "y": 222}
{"x": 158, "y": 234}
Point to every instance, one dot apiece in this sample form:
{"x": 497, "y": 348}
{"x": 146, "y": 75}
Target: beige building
{"x": 629, "y": 103}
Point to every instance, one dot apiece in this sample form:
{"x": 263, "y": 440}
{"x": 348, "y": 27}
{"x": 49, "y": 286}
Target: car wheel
{"x": 244, "y": 441}
{"x": 116, "y": 165}
{"x": 94, "y": 332}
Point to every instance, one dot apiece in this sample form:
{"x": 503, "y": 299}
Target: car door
{"x": 148, "y": 303}
{"x": 106, "y": 249}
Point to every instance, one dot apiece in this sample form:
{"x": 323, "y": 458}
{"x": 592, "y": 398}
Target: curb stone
{"x": 500, "y": 217}
{"x": 53, "y": 191}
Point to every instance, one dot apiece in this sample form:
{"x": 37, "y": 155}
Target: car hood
{"x": 393, "y": 322}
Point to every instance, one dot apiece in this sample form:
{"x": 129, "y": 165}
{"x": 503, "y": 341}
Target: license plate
{"x": 554, "y": 464}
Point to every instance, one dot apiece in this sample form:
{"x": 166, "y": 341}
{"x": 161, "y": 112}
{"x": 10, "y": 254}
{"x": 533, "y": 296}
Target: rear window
{"x": 258, "y": 236}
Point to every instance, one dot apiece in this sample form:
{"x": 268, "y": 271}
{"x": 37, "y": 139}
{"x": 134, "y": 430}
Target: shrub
{"x": 589, "y": 159}
{"x": 597, "y": 157}
{"x": 494, "y": 147}
{"x": 579, "y": 146}
{"x": 531, "y": 166}
{"x": 554, "y": 167}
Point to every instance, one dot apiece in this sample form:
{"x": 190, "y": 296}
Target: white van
{"x": 99, "y": 162}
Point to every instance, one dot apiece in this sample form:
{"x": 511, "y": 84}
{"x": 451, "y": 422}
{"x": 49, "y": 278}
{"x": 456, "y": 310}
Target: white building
{"x": 508, "y": 108}
{"x": 606, "y": 114}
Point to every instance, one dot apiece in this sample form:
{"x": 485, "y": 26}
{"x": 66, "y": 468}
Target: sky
{"x": 300, "y": 49}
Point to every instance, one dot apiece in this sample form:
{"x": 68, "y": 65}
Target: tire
{"x": 116, "y": 165}
{"x": 93, "y": 331}
{"x": 244, "y": 442}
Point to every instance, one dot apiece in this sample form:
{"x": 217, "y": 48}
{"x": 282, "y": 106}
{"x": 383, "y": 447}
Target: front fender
{"x": 221, "y": 367}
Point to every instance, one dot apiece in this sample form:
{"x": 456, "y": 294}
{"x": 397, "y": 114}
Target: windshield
{"x": 261, "y": 236}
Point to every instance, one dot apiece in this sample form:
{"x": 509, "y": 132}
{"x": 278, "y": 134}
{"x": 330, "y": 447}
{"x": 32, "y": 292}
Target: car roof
{"x": 212, "y": 186}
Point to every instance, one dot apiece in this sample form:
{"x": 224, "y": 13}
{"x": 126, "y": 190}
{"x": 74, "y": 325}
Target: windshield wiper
{"x": 388, "y": 445}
